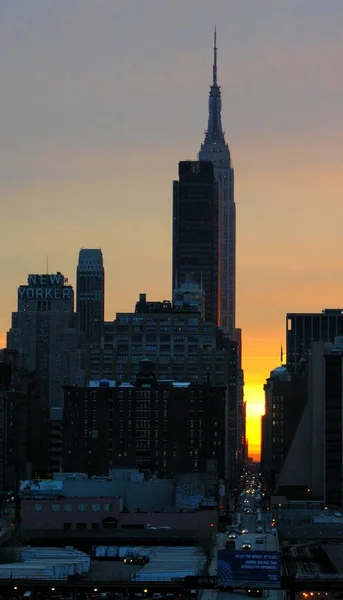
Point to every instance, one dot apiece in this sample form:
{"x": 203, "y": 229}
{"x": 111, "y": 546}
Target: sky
{"x": 100, "y": 100}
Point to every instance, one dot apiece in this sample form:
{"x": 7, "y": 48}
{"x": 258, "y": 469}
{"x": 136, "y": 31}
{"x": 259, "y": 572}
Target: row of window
{"x": 56, "y": 507}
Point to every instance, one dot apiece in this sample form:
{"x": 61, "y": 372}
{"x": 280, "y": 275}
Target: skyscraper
{"x": 45, "y": 332}
{"x": 216, "y": 150}
{"x": 195, "y": 231}
{"x": 302, "y": 329}
{"x": 90, "y": 294}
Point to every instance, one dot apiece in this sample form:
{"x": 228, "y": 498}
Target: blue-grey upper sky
{"x": 100, "y": 99}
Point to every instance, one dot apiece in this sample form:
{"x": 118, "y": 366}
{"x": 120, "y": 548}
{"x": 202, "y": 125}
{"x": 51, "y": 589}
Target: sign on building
{"x": 243, "y": 568}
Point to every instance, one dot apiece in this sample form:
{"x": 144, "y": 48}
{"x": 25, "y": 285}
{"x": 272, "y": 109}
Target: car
{"x": 245, "y": 531}
{"x": 259, "y": 539}
{"x": 246, "y": 545}
{"x": 128, "y": 560}
{"x": 254, "y": 593}
{"x": 259, "y": 530}
{"x": 232, "y": 536}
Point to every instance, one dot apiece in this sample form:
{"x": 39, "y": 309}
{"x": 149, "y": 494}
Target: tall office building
{"x": 195, "y": 232}
{"x": 216, "y": 150}
{"x": 90, "y": 294}
{"x": 313, "y": 465}
{"x": 45, "y": 332}
{"x": 302, "y": 329}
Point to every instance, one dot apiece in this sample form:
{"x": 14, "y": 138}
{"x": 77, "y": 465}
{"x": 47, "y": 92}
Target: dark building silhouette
{"x": 195, "y": 232}
{"x": 23, "y": 426}
{"x": 285, "y": 400}
{"x": 90, "y": 294}
{"x": 160, "y": 427}
{"x": 45, "y": 333}
{"x": 302, "y": 329}
{"x": 333, "y": 432}
{"x": 215, "y": 149}
{"x": 312, "y": 468}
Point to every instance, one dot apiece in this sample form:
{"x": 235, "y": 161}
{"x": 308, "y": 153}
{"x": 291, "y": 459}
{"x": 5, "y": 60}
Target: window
{"x": 81, "y": 525}
{"x": 55, "y": 507}
{"x": 95, "y": 525}
{"x": 68, "y": 508}
{"x": 82, "y": 507}
{"x": 66, "y": 525}
{"x": 38, "y": 507}
{"x": 108, "y": 507}
{"x": 96, "y": 507}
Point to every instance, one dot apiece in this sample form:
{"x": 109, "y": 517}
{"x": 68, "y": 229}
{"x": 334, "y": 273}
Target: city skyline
{"x": 87, "y": 160}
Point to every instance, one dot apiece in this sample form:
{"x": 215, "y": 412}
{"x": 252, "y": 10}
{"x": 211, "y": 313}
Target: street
{"x": 248, "y": 516}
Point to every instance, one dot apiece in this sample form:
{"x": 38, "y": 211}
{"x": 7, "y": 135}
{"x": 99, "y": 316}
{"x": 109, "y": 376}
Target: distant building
{"x": 215, "y": 149}
{"x": 191, "y": 295}
{"x": 313, "y": 464}
{"x": 285, "y": 400}
{"x": 195, "y": 232}
{"x": 161, "y": 427}
{"x": 100, "y": 358}
{"x": 71, "y": 501}
{"x": 90, "y": 294}
{"x": 302, "y": 329}
{"x": 45, "y": 332}
{"x": 182, "y": 346}
{"x": 23, "y": 426}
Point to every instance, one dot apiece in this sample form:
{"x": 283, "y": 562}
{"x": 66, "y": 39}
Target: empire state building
{"x": 216, "y": 150}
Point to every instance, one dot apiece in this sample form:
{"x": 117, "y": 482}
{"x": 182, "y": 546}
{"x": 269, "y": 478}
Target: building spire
{"x": 215, "y": 57}
{"x": 214, "y": 134}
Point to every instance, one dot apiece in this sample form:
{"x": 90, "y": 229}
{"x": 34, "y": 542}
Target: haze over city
{"x": 100, "y": 101}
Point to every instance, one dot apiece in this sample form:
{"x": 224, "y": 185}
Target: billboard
{"x": 40, "y": 486}
{"x": 237, "y": 568}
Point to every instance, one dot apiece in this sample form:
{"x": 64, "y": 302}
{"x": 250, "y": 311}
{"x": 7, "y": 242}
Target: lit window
{"x": 38, "y": 507}
{"x": 55, "y": 507}
{"x": 68, "y": 508}
{"x": 95, "y": 507}
{"x": 82, "y": 507}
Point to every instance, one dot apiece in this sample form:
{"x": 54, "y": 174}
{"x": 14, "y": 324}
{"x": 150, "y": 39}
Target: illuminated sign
{"x": 45, "y": 293}
{"x": 240, "y": 568}
{"x": 40, "y": 485}
{"x": 46, "y": 287}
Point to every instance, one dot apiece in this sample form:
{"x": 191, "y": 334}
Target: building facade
{"x": 285, "y": 400}
{"x": 45, "y": 332}
{"x": 90, "y": 294}
{"x": 23, "y": 426}
{"x": 195, "y": 232}
{"x": 314, "y": 462}
{"x": 160, "y": 427}
{"x": 216, "y": 150}
{"x": 302, "y": 329}
{"x": 182, "y": 346}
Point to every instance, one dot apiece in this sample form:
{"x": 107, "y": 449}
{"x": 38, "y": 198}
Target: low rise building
{"x": 161, "y": 427}
{"x": 71, "y": 501}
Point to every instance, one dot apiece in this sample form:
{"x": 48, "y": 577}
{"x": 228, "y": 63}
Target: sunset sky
{"x": 100, "y": 100}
